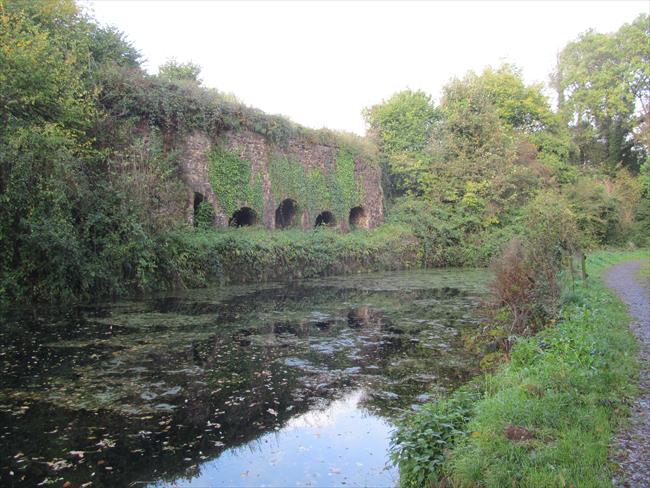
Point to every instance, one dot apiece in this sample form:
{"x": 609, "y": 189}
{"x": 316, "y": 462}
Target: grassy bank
{"x": 192, "y": 258}
{"x": 545, "y": 418}
{"x": 249, "y": 255}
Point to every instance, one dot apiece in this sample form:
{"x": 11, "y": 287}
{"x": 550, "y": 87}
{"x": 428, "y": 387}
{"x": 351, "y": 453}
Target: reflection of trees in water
{"x": 231, "y": 365}
{"x": 155, "y": 446}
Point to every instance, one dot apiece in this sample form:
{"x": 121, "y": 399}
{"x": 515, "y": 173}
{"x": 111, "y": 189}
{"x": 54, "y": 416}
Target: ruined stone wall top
{"x": 261, "y": 153}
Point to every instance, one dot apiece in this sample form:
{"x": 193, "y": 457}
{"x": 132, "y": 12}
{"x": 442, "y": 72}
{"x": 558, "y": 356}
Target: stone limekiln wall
{"x": 261, "y": 154}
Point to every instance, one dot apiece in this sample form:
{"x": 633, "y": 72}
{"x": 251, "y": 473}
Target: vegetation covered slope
{"x": 88, "y": 165}
{"x": 462, "y": 170}
{"x": 492, "y": 164}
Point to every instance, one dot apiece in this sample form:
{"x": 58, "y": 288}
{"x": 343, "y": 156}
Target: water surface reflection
{"x": 339, "y": 445}
{"x": 271, "y": 385}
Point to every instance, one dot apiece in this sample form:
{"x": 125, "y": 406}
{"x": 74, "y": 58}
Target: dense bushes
{"x": 469, "y": 165}
{"x": 197, "y": 258}
{"x": 525, "y": 288}
{"x": 252, "y": 255}
{"x": 449, "y": 237}
{"x": 640, "y": 226}
{"x": 90, "y": 195}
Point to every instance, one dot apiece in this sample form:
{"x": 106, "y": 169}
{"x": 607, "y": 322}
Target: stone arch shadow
{"x": 325, "y": 219}
{"x": 358, "y": 218}
{"x": 286, "y": 214}
{"x": 244, "y": 217}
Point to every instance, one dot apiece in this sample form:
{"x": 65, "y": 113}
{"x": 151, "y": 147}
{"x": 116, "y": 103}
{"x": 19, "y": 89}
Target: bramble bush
{"x": 526, "y": 274}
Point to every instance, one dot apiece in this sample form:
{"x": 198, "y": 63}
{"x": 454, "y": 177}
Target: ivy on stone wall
{"x": 204, "y": 216}
{"x": 230, "y": 177}
{"x": 346, "y": 190}
{"x": 313, "y": 190}
{"x": 319, "y": 196}
{"x": 287, "y": 179}
{"x": 234, "y": 185}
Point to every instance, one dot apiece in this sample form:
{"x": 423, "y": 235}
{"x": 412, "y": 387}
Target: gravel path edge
{"x": 632, "y": 445}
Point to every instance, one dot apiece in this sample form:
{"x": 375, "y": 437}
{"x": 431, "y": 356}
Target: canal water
{"x": 270, "y": 385}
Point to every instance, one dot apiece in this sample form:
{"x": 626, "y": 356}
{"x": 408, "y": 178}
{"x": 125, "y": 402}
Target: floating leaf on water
{"x": 164, "y": 407}
{"x": 105, "y": 443}
{"x": 171, "y": 391}
{"x": 58, "y": 464}
{"x": 148, "y": 395}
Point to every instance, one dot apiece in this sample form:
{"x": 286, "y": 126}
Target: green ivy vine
{"x": 234, "y": 184}
{"x": 347, "y": 191}
{"x": 231, "y": 181}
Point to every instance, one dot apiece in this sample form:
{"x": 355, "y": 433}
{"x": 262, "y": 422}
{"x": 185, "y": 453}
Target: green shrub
{"x": 526, "y": 273}
{"x": 597, "y": 210}
{"x": 204, "y": 216}
{"x": 640, "y": 231}
{"x": 422, "y": 441}
{"x": 449, "y": 234}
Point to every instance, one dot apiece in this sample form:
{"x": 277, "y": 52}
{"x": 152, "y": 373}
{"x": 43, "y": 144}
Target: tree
{"x": 522, "y": 107}
{"x": 72, "y": 220}
{"x": 109, "y": 45}
{"x": 44, "y": 113}
{"x": 402, "y": 127}
{"x": 471, "y": 143}
{"x": 603, "y": 84}
{"x": 38, "y": 81}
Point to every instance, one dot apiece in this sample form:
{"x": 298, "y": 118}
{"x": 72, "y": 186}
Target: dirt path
{"x": 632, "y": 449}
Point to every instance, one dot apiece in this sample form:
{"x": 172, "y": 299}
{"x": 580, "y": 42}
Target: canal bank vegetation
{"x": 88, "y": 174}
{"x": 555, "y": 186}
{"x": 547, "y": 416}
{"x": 489, "y": 174}
{"x": 251, "y": 254}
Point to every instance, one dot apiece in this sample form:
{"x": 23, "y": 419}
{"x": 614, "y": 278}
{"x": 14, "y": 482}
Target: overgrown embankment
{"x": 201, "y": 257}
{"x": 250, "y": 255}
{"x": 546, "y": 417}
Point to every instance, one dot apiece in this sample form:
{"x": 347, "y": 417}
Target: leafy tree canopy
{"x": 404, "y": 122}
{"x": 603, "y": 85}
{"x": 173, "y": 70}
{"x": 520, "y": 106}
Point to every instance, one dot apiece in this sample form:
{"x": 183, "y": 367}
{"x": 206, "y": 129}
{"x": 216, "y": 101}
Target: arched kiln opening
{"x": 325, "y": 218}
{"x": 243, "y": 217}
{"x": 358, "y": 218}
{"x": 198, "y": 200}
{"x": 285, "y": 215}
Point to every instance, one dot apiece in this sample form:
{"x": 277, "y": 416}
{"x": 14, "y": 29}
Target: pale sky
{"x": 321, "y": 63}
